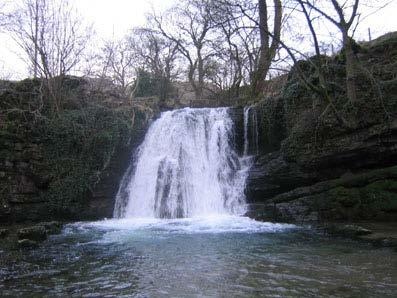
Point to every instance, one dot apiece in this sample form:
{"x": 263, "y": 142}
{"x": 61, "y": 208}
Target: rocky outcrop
{"x": 27, "y": 182}
{"x": 371, "y": 195}
{"x": 65, "y": 167}
{"x": 28, "y": 235}
{"x": 280, "y": 171}
{"x": 34, "y": 233}
{"x": 312, "y": 167}
{"x": 4, "y": 233}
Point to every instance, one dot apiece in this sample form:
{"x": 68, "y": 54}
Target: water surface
{"x": 215, "y": 257}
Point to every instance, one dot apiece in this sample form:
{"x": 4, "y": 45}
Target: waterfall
{"x": 246, "y": 119}
{"x": 255, "y": 135}
{"x": 185, "y": 167}
{"x": 251, "y": 136}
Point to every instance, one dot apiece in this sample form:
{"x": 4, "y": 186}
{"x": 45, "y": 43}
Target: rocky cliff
{"x": 66, "y": 166}
{"x": 309, "y": 166}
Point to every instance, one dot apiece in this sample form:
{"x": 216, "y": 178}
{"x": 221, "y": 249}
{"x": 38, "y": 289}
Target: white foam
{"x": 207, "y": 224}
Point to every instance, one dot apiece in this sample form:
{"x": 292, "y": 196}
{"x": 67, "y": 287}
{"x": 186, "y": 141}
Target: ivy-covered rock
{"x": 65, "y": 165}
{"x": 328, "y": 158}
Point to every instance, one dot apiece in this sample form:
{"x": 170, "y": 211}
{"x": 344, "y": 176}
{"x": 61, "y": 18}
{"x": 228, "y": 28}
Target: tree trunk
{"x": 192, "y": 81}
{"x": 267, "y": 51}
{"x": 200, "y": 73}
{"x": 350, "y": 68}
{"x": 36, "y": 35}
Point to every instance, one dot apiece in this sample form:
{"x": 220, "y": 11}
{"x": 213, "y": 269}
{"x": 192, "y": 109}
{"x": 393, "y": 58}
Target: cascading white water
{"x": 186, "y": 167}
{"x": 251, "y": 137}
{"x": 246, "y": 118}
{"x": 255, "y": 131}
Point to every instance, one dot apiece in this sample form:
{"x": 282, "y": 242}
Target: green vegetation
{"x": 370, "y": 195}
{"x": 63, "y": 156}
{"x": 77, "y": 147}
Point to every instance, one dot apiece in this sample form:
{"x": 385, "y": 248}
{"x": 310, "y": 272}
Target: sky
{"x": 109, "y": 18}
{"x": 116, "y": 17}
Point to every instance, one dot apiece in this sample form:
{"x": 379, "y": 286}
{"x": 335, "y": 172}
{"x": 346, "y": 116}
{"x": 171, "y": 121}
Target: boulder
{"x": 347, "y": 230}
{"x": 52, "y": 227}
{"x": 35, "y": 233}
{"x": 27, "y": 243}
{"x": 4, "y": 233}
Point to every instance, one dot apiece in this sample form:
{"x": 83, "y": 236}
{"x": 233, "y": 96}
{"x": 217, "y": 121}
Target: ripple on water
{"x": 226, "y": 256}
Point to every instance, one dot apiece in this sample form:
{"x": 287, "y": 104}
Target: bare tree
{"x": 318, "y": 63}
{"x": 4, "y": 16}
{"x": 250, "y": 19}
{"x": 53, "y": 37}
{"x": 237, "y": 49}
{"x": 268, "y": 46}
{"x": 119, "y": 59}
{"x": 188, "y": 25}
{"x": 157, "y": 55}
{"x": 344, "y": 17}
{"x": 5, "y": 73}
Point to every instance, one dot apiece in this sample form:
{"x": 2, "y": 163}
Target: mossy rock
{"x": 27, "y": 244}
{"x": 347, "y": 230}
{"x": 34, "y": 233}
{"x": 347, "y": 197}
{"x": 4, "y": 233}
{"x": 382, "y": 43}
{"x": 381, "y": 195}
{"x": 52, "y": 227}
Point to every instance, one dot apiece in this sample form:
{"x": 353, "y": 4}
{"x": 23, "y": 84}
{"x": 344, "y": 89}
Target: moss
{"x": 77, "y": 146}
{"x": 373, "y": 200}
{"x": 382, "y": 43}
{"x": 271, "y": 124}
{"x": 366, "y": 178}
{"x": 347, "y": 197}
{"x": 308, "y": 129}
{"x": 381, "y": 195}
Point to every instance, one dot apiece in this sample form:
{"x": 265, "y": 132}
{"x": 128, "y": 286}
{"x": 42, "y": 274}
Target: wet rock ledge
{"x": 28, "y": 236}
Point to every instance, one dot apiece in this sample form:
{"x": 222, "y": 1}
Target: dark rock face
{"x": 299, "y": 184}
{"x": 370, "y": 196}
{"x": 52, "y": 227}
{"x": 27, "y": 244}
{"x": 348, "y": 230}
{"x": 236, "y": 114}
{"x": 307, "y": 160}
{"x": 102, "y": 201}
{"x": 66, "y": 167}
{"x": 4, "y": 233}
{"x": 25, "y": 183}
{"x": 28, "y": 235}
{"x": 278, "y": 172}
{"x": 34, "y": 233}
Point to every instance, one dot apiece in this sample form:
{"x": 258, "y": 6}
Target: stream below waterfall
{"x": 203, "y": 257}
{"x": 180, "y": 231}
